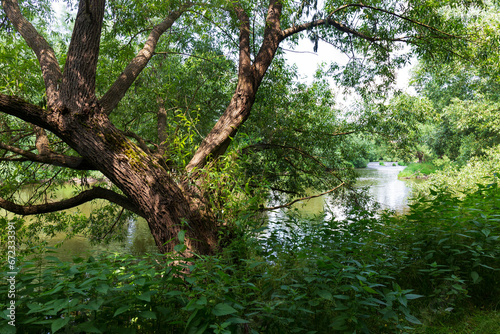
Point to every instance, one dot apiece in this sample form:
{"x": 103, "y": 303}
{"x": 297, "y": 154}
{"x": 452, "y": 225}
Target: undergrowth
{"x": 366, "y": 274}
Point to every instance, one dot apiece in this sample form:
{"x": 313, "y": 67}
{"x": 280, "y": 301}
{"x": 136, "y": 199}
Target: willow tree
{"x": 78, "y": 112}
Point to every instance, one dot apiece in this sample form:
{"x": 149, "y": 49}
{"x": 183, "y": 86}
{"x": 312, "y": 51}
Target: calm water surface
{"x": 382, "y": 181}
{"x": 383, "y": 186}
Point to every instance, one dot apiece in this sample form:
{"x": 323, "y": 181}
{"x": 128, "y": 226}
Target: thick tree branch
{"x": 49, "y": 158}
{"x": 83, "y": 197}
{"x": 78, "y": 88}
{"x": 238, "y": 110}
{"x": 249, "y": 78}
{"x": 117, "y": 91}
{"x": 26, "y": 111}
{"x": 49, "y": 65}
{"x": 245, "y": 62}
{"x": 301, "y": 199}
{"x": 272, "y": 38}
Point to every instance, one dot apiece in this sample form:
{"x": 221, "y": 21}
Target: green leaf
{"x": 58, "y": 324}
{"x": 237, "y": 321}
{"x": 140, "y": 281}
{"x": 102, "y": 288}
{"x": 341, "y": 297}
{"x": 413, "y": 296}
{"x": 180, "y": 248}
{"x": 148, "y": 315}
{"x": 88, "y": 327}
{"x": 475, "y": 277}
{"x": 146, "y": 296}
{"x": 121, "y": 310}
{"x": 412, "y": 319}
{"x": 403, "y": 301}
{"x": 7, "y": 329}
{"x": 324, "y": 294}
{"x": 222, "y": 309}
{"x": 181, "y": 235}
{"x": 368, "y": 289}
{"x": 202, "y": 301}
{"x": 94, "y": 305}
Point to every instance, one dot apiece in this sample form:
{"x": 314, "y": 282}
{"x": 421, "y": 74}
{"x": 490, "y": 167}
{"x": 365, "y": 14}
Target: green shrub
{"x": 360, "y": 162}
{"x": 452, "y": 248}
{"x": 367, "y": 273}
{"x": 418, "y": 170}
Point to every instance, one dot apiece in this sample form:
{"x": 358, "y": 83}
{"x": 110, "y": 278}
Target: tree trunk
{"x": 166, "y": 206}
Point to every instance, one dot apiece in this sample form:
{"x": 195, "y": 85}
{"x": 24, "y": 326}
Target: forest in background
{"x": 187, "y": 114}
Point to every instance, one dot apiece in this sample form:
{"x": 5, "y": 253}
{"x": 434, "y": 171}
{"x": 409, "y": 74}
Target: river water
{"x": 382, "y": 182}
{"x": 384, "y": 185}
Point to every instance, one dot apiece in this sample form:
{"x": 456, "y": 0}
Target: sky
{"x": 307, "y": 63}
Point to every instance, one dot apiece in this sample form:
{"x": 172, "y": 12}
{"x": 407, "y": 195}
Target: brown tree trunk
{"x": 166, "y": 206}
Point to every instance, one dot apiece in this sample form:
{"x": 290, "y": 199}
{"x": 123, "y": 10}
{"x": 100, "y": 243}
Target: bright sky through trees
{"x": 307, "y": 63}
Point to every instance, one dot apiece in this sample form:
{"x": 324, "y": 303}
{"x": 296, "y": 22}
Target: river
{"x": 382, "y": 182}
{"x": 383, "y": 186}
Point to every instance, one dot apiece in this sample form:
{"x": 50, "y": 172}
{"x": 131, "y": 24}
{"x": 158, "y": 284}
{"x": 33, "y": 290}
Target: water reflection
{"x": 383, "y": 186}
{"x": 138, "y": 238}
{"x": 138, "y": 241}
{"x": 382, "y": 182}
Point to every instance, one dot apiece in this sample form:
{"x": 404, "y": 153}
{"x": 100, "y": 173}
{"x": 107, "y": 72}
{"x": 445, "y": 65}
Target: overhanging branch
{"x": 301, "y": 199}
{"x": 330, "y": 21}
{"x": 83, "y": 197}
{"x": 50, "y": 158}
{"x": 26, "y": 111}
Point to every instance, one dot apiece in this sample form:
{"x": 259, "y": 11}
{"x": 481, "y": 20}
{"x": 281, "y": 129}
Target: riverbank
{"x": 366, "y": 273}
{"x": 417, "y": 170}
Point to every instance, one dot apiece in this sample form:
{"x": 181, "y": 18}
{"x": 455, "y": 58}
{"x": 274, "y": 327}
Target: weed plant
{"x": 365, "y": 274}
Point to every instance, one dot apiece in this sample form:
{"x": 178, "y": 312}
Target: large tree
{"x": 79, "y": 112}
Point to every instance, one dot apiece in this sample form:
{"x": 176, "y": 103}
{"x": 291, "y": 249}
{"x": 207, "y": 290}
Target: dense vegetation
{"x": 365, "y": 274}
{"x": 372, "y": 272}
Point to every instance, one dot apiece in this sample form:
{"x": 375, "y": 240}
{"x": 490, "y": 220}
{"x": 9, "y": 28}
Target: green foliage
{"x": 460, "y": 180}
{"x": 417, "y": 170}
{"x": 464, "y": 90}
{"x": 478, "y": 321}
{"x": 318, "y": 288}
{"x": 452, "y": 248}
{"x": 360, "y": 162}
{"x": 363, "y": 274}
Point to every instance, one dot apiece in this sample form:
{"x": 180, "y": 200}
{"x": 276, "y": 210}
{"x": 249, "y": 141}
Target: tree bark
{"x": 166, "y": 206}
{"x": 75, "y": 115}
